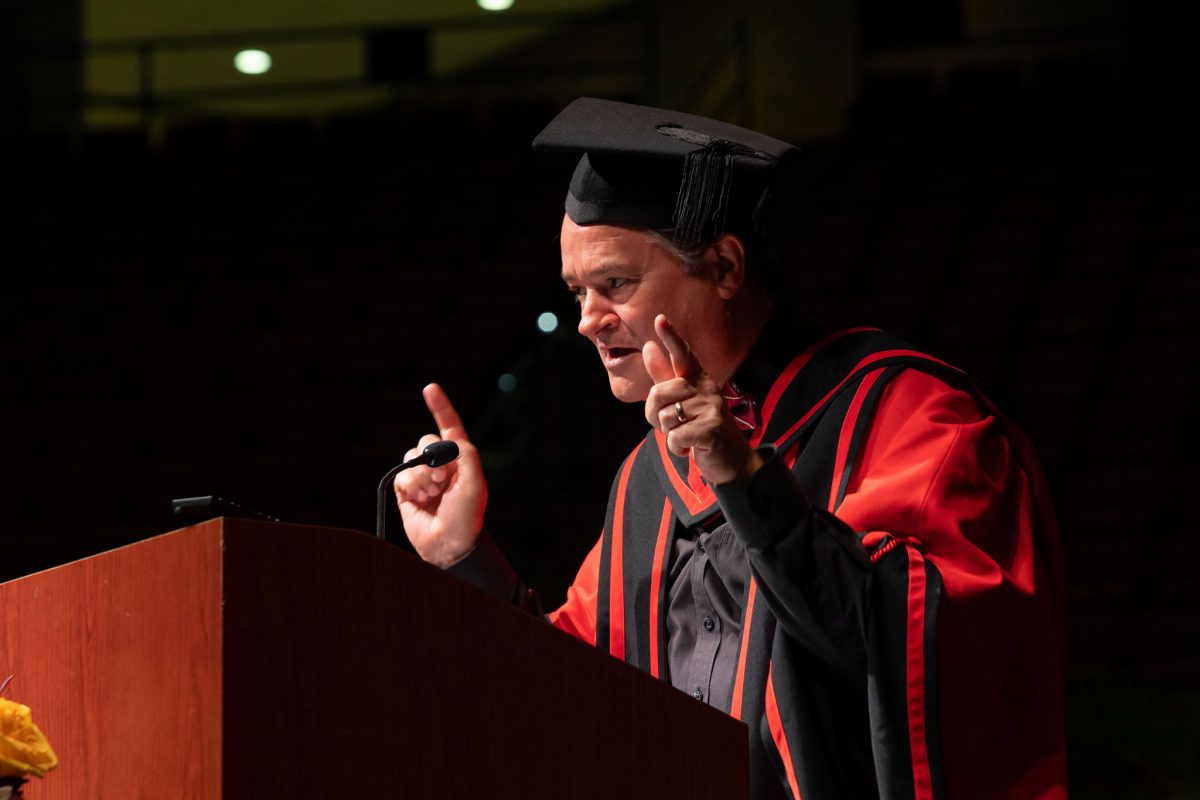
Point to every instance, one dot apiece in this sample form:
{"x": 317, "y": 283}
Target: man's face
{"x": 622, "y": 278}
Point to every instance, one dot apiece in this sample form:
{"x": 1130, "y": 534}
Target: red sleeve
{"x": 577, "y": 616}
{"x": 936, "y": 469}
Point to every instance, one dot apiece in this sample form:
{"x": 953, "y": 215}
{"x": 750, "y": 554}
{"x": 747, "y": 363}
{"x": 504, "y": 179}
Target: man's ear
{"x": 729, "y": 256}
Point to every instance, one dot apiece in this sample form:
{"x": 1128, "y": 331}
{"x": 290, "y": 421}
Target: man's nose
{"x": 595, "y": 314}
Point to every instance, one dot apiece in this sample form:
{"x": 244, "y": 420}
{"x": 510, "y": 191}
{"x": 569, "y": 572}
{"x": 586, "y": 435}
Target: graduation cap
{"x": 654, "y": 168}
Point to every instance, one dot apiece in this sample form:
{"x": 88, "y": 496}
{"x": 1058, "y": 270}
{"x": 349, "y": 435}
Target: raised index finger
{"x": 449, "y": 424}
{"x": 683, "y": 360}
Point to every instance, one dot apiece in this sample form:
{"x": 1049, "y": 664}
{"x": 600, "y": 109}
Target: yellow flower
{"x": 24, "y": 749}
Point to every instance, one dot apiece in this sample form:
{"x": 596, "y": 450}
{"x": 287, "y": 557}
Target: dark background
{"x": 249, "y": 307}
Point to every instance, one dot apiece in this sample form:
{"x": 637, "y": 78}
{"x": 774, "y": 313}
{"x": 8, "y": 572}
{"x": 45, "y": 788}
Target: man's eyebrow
{"x": 601, "y": 270}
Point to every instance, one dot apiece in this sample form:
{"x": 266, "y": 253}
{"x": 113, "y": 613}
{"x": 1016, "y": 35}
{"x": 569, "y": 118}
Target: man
{"x": 828, "y": 534}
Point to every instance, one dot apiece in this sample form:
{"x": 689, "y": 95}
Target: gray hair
{"x": 760, "y": 261}
{"x": 690, "y": 256}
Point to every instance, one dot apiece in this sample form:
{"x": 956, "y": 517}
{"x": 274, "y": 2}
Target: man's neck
{"x": 748, "y": 315}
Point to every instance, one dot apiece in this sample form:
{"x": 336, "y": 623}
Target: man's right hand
{"x": 442, "y": 508}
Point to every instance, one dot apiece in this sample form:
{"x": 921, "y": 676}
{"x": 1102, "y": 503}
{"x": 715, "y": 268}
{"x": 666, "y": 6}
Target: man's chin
{"x": 629, "y": 391}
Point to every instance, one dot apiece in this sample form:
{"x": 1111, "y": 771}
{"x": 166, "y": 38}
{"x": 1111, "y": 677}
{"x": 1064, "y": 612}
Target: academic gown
{"x": 903, "y": 631}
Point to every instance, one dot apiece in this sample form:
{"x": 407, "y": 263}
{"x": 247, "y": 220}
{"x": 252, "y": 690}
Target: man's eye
{"x": 616, "y": 283}
{"x": 576, "y": 294}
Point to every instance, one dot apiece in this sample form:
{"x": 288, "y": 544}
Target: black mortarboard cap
{"x": 649, "y": 167}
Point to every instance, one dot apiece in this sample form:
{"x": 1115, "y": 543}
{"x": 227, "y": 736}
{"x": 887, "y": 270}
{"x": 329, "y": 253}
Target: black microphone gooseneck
{"x": 435, "y": 455}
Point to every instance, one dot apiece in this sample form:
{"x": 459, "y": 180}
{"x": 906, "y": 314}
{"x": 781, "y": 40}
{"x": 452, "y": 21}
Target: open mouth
{"x": 614, "y": 355}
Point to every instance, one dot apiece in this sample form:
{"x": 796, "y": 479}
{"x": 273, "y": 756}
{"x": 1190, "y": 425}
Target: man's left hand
{"x": 686, "y": 405}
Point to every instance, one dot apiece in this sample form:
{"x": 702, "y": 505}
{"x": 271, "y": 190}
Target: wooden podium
{"x": 239, "y": 659}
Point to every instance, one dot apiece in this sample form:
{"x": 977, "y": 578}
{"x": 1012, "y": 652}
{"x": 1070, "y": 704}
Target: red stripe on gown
{"x": 922, "y": 778}
{"x": 739, "y": 678}
{"x": 660, "y": 547}
{"x": 616, "y": 583}
{"x": 847, "y": 433}
{"x": 780, "y": 737}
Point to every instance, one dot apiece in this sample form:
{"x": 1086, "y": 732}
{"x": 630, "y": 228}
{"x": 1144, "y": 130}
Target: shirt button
{"x": 698, "y": 694}
{"x": 709, "y": 624}
{"x": 700, "y": 545}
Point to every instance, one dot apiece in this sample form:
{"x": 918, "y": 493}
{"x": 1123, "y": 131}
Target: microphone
{"x": 208, "y": 506}
{"x": 435, "y": 455}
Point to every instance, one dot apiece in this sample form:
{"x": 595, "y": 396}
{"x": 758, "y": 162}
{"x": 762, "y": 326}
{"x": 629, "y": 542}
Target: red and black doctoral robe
{"x": 903, "y": 625}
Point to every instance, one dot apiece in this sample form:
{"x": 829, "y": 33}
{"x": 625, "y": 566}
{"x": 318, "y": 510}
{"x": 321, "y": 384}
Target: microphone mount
{"x": 435, "y": 455}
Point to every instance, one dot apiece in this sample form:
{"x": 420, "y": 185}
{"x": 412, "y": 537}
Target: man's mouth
{"x": 612, "y": 356}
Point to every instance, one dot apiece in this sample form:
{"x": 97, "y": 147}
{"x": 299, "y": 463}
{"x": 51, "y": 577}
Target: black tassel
{"x": 703, "y": 201}
{"x": 702, "y": 205}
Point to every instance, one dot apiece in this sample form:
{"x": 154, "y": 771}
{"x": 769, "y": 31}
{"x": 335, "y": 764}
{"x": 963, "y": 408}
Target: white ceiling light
{"x": 495, "y": 5}
{"x": 252, "y": 62}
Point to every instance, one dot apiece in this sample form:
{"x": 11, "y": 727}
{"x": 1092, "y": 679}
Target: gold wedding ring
{"x": 679, "y": 414}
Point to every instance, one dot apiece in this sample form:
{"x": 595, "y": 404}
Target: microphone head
{"x": 440, "y": 453}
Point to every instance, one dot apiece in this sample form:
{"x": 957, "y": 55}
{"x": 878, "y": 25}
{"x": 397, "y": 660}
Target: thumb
{"x": 658, "y": 363}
